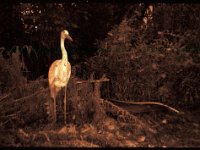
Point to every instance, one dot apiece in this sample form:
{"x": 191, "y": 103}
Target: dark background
{"x": 39, "y": 25}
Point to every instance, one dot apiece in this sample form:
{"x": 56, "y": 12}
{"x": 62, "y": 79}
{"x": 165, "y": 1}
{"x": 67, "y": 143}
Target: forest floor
{"x": 162, "y": 128}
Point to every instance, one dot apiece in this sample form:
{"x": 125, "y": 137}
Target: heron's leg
{"x": 54, "y": 109}
{"x": 65, "y": 104}
{"x": 50, "y": 108}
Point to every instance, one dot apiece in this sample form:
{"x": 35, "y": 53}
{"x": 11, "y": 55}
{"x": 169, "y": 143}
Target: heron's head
{"x": 65, "y": 35}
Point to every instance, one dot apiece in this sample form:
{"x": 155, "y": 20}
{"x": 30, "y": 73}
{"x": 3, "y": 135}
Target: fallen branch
{"x": 102, "y": 79}
{"x": 124, "y": 114}
{"x": 28, "y": 96}
{"x": 146, "y": 103}
{"x": 93, "y": 81}
{"x": 110, "y": 107}
{"x": 8, "y": 116}
{"x": 4, "y": 97}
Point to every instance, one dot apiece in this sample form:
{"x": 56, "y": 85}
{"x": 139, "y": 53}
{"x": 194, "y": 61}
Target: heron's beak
{"x": 69, "y": 38}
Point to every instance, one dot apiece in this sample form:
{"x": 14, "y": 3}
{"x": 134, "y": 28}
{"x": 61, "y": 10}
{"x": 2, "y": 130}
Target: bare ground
{"x": 152, "y": 126}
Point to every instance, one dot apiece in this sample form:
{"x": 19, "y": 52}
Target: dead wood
{"x": 18, "y": 112}
{"x": 5, "y": 96}
{"x": 147, "y": 103}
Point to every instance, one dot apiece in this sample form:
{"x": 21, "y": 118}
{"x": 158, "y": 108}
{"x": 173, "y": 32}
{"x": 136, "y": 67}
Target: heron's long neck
{"x": 63, "y": 50}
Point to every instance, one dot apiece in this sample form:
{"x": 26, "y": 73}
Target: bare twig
{"x": 19, "y": 99}
{"x": 8, "y": 116}
{"x": 3, "y": 123}
{"x": 147, "y": 103}
{"x": 11, "y": 115}
{"x": 102, "y": 79}
{"x": 93, "y": 81}
{"x": 4, "y": 97}
{"x": 171, "y": 34}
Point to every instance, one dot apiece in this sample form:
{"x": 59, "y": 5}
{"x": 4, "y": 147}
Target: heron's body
{"x": 59, "y": 74}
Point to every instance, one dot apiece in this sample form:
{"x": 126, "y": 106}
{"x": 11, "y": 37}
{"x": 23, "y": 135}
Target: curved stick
{"x": 147, "y": 103}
